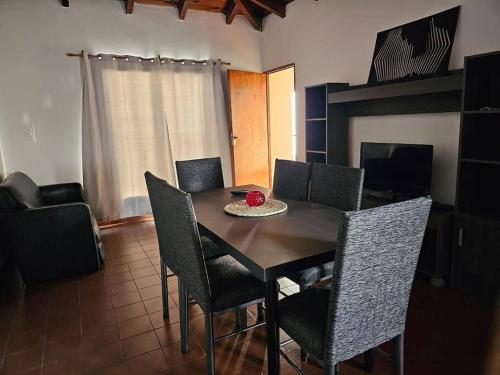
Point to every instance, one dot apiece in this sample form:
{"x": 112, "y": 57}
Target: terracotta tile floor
{"x": 111, "y": 322}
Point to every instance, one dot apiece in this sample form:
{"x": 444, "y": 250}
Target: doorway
{"x": 281, "y": 115}
{"x": 262, "y": 123}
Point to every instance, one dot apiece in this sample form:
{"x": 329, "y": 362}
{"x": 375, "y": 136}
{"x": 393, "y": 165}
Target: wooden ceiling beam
{"x": 274, "y": 6}
{"x": 183, "y": 8}
{"x": 246, "y": 8}
{"x": 65, "y": 3}
{"x": 129, "y": 6}
{"x": 231, "y": 10}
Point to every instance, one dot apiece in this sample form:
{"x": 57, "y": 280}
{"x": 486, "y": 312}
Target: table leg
{"x": 272, "y": 329}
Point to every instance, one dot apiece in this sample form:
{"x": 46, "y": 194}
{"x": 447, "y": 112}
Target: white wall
{"x": 40, "y": 87}
{"x": 333, "y": 41}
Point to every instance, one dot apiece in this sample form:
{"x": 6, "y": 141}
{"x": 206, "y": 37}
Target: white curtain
{"x": 143, "y": 115}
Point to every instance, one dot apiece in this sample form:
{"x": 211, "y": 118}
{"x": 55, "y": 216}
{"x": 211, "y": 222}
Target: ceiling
{"x": 253, "y": 10}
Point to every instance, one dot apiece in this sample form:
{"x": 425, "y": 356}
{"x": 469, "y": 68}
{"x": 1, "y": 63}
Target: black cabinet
{"x": 476, "y": 261}
{"x": 325, "y": 142}
{"x": 477, "y": 257}
{"x": 435, "y": 256}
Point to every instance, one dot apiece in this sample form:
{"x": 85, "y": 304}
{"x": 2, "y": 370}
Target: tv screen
{"x": 401, "y": 169}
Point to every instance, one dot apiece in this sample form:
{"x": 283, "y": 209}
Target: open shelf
{"x": 316, "y": 135}
{"x": 450, "y": 82}
{"x": 481, "y": 137}
{"x": 482, "y": 82}
{"x": 316, "y": 102}
{"x": 479, "y": 187}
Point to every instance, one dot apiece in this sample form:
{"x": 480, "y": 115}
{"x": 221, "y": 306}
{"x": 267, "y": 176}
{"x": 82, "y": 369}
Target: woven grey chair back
{"x": 336, "y": 186}
{"x": 178, "y": 237}
{"x": 199, "y": 174}
{"x": 374, "y": 268}
{"x": 291, "y": 179}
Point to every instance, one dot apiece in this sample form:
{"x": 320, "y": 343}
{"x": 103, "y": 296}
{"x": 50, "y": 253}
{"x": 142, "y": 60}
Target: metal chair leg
{"x": 368, "y": 365}
{"x": 241, "y": 318}
{"x": 209, "y": 343}
{"x": 399, "y": 355}
{"x": 164, "y": 288}
{"x": 332, "y": 370}
{"x": 184, "y": 317}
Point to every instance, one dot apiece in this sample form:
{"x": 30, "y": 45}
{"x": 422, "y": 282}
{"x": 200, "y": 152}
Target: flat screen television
{"x": 399, "y": 169}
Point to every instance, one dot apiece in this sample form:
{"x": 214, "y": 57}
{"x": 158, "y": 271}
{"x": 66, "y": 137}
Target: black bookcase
{"x": 324, "y": 143}
{"x": 476, "y": 263}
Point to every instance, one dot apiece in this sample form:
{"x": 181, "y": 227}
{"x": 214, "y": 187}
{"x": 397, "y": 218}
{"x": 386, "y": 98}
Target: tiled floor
{"x": 111, "y": 322}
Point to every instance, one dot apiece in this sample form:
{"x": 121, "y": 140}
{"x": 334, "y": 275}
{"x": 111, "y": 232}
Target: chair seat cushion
{"x": 231, "y": 284}
{"x": 210, "y": 248}
{"x": 303, "y": 316}
{"x": 312, "y": 275}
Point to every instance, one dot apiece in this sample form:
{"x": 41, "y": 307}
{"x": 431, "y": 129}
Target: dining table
{"x": 271, "y": 247}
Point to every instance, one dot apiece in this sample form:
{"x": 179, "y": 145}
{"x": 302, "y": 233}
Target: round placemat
{"x": 270, "y": 207}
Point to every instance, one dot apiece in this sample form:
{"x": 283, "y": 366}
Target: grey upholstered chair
{"x": 339, "y": 187}
{"x": 375, "y": 263}
{"x": 217, "y": 285}
{"x": 291, "y": 179}
{"x": 198, "y": 175}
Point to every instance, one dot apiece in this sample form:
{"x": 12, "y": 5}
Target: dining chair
{"x": 339, "y": 187}
{"x": 198, "y": 175}
{"x": 291, "y": 179}
{"x": 217, "y": 285}
{"x": 375, "y": 261}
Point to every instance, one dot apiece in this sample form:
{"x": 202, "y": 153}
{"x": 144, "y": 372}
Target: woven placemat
{"x": 270, "y": 207}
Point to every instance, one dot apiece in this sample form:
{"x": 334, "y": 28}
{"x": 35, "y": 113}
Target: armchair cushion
{"x": 62, "y": 193}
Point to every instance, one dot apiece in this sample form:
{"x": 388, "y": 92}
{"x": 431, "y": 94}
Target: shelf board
{"x": 450, "y": 82}
{"x": 316, "y": 152}
{"x": 480, "y": 161}
{"x": 495, "y": 111}
{"x": 316, "y": 119}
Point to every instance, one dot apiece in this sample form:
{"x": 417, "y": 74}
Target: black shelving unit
{"x": 476, "y": 263}
{"x": 320, "y": 130}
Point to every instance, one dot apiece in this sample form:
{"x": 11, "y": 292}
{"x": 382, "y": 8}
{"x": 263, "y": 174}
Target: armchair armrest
{"x": 62, "y": 193}
{"x": 54, "y": 241}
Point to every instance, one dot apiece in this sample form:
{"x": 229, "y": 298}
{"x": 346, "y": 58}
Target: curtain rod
{"x": 72, "y": 54}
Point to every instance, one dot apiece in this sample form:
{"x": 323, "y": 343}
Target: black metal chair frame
{"x": 210, "y": 339}
{"x": 397, "y": 358}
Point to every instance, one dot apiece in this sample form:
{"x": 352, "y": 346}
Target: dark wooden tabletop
{"x": 275, "y": 246}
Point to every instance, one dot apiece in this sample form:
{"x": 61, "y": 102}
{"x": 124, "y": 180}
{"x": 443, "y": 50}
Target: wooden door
{"x": 248, "y": 127}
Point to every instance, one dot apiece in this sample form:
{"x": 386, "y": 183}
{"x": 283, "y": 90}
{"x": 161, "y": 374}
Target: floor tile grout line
{"x": 115, "y": 323}
{"x": 45, "y": 327}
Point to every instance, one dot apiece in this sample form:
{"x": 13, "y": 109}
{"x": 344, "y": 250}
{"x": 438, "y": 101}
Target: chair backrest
{"x": 178, "y": 237}
{"x": 18, "y": 192}
{"x": 336, "y": 186}
{"x": 291, "y": 179}
{"x": 199, "y": 174}
{"x": 375, "y": 264}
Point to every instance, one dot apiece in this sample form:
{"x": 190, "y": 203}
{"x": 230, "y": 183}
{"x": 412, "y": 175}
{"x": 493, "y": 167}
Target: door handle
{"x": 460, "y": 237}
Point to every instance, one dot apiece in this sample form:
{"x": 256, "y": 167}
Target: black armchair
{"x": 51, "y": 229}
